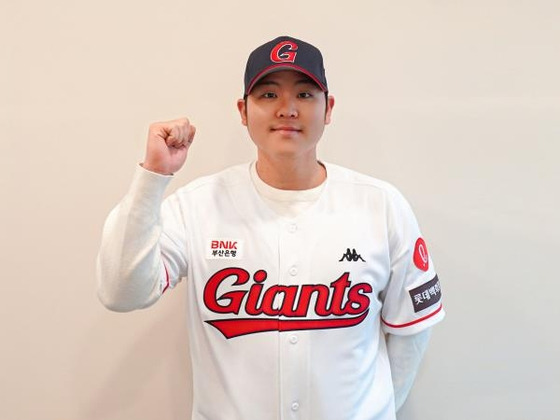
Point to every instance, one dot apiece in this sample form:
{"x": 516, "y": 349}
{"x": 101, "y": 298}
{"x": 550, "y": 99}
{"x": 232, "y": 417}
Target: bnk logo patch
{"x": 224, "y": 249}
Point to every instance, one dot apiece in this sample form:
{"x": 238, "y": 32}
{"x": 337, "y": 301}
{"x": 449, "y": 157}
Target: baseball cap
{"x": 285, "y": 53}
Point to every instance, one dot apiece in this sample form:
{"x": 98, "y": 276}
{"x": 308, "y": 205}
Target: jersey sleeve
{"x": 142, "y": 250}
{"x": 173, "y": 242}
{"x": 412, "y": 299}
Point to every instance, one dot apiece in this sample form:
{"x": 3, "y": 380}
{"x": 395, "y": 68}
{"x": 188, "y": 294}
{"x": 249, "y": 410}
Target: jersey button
{"x": 293, "y": 271}
{"x": 292, "y": 228}
{"x": 293, "y": 339}
{"x": 295, "y": 406}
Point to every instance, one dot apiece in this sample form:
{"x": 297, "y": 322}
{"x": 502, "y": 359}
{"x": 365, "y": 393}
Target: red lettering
{"x": 357, "y": 298}
{"x": 223, "y": 245}
{"x": 339, "y": 287}
{"x": 321, "y": 299}
{"x": 252, "y": 306}
{"x": 281, "y": 54}
{"x": 235, "y": 298}
{"x": 289, "y": 302}
{"x": 268, "y": 300}
{"x": 340, "y": 299}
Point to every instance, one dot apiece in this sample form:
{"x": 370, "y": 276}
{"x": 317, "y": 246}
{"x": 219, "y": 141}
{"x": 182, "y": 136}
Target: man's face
{"x": 285, "y": 114}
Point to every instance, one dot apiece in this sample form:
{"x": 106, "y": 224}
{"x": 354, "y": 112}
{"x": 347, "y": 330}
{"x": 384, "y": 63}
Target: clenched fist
{"x": 168, "y": 144}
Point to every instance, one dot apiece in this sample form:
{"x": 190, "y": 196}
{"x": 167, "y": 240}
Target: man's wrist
{"x": 155, "y": 170}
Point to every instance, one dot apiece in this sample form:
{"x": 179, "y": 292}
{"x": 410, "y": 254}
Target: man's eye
{"x": 305, "y": 95}
{"x": 269, "y": 95}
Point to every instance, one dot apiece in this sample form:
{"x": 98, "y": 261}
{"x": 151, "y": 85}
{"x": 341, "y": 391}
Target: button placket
{"x": 293, "y": 351}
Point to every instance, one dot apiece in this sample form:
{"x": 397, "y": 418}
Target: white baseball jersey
{"x": 286, "y": 315}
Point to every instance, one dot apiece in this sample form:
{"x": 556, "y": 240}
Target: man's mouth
{"x": 286, "y": 128}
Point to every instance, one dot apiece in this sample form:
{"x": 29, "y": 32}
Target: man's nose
{"x": 287, "y": 108}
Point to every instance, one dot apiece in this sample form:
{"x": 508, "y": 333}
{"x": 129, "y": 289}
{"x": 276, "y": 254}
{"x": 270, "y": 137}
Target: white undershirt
{"x": 287, "y": 203}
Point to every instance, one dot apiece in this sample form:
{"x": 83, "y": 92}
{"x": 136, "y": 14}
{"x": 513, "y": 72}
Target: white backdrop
{"x": 456, "y": 103}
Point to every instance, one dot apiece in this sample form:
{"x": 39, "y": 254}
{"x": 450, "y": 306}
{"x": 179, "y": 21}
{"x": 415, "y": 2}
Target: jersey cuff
{"x": 148, "y": 188}
{"x": 414, "y": 326}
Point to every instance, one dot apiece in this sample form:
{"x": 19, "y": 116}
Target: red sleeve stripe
{"x": 408, "y": 324}
{"x": 166, "y": 280}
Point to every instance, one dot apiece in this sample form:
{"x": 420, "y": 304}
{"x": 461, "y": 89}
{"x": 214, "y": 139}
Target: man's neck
{"x": 291, "y": 173}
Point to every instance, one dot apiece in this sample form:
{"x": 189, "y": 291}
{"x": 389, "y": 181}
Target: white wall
{"x": 456, "y": 103}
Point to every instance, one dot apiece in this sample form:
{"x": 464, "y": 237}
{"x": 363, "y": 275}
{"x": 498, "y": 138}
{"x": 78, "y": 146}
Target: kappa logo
{"x": 340, "y": 304}
{"x": 351, "y": 256}
{"x": 284, "y": 52}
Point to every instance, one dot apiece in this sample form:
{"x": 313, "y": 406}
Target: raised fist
{"x": 168, "y": 144}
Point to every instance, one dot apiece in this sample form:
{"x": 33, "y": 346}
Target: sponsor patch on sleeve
{"x": 421, "y": 259}
{"x": 426, "y": 295}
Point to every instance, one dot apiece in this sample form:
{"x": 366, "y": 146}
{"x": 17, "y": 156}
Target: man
{"x": 310, "y": 289}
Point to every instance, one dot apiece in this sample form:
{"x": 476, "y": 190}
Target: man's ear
{"x": 242, "y": 108}
{"x": 329, "y": 108}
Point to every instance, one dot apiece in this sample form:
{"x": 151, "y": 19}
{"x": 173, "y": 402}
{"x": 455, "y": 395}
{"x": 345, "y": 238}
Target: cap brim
{"x": 284, "y": 66}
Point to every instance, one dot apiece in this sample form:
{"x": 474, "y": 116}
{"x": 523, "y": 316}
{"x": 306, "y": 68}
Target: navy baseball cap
{"x": 285, "y": 53}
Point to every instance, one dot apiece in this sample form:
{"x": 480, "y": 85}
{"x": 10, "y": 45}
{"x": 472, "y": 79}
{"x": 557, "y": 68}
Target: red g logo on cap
{"x": 421, "y": 259}
{"x": 284, "y": 52}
